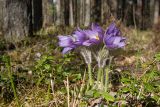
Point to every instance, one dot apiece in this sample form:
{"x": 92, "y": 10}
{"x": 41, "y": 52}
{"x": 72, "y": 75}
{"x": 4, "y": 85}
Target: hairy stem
{"x": 99, "y": 74}
{"x": 106, "y": 80}
{"x": 102, "y": 78}
{"x": 68, "y": 96}
{"x": 90, "y": 74}
{"x": 107, "y": 74}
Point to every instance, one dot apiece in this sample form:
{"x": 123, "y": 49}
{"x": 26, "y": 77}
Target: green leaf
{"x": 50, "y": 58}
{"x": 108, "y": 97}
{"x": 125, "y": 89}
{"x": 148, "y": 87}
{"x": 76, "y": 77}
{"x": 157, "y": 57}
{"x": 125, "y": 80}
{"x": 47, "y": 66}
{"x": 97, "y": 94}
{"x": 89, "y": 93}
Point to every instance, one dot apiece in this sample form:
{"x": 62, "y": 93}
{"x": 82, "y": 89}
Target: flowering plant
{"x": 94, "y": 42}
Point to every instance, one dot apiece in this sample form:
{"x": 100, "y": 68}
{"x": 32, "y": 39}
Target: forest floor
{"x": 34, "y": 60}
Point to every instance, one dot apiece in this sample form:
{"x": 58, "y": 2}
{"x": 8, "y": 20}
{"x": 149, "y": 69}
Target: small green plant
{"x": 157, "y": 57}
{"x": 7, "y": 62}
{"x": 142, "y": 88}
{"x": 43, "y": 68}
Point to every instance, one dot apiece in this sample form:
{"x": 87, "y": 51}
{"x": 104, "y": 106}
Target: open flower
{"x": 67, "y": 42}
{"x": 113, "y": 38}
{"x": 89, "y": 37}
{"x": 79, "y": 36}
{"x": 96, "y": 27}
{"x": 92, "y": 38}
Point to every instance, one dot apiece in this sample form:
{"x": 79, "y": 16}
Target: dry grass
{"x": 37, "y": 97}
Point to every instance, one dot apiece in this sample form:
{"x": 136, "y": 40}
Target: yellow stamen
{"x": 97, "y": 37}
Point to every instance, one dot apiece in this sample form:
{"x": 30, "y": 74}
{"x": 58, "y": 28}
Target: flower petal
{"x": 113, "y": 38}
{"x": 65, "y": 41}
{"x": 121, "y": 44}
{"x": 79, "y": 35}
{"x": 111, "y": 28}
{"x": 117, "y": 40}
{"x": 87, "y": 43}
{"x": 66, "y": 50}
{"x": 96, "y": 27}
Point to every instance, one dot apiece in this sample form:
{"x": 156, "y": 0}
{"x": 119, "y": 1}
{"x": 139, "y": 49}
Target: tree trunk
{"x": 47, "y": 12}
{"x": 58, "y": 12}
{"x": 62, "y": 12}
{"x": 113, "y": 7}
{"x": 75, "y": 12}
{"x": 152, "y": 6}
{"x": 78, "y": 13}
{"x": 37, "y": 14}
{"x": 66, "y": 12}
{"x": 81, "y": 12}
{"x": 145, "y": 14}
{"x": 104, "y": 10}
{"x": 120, "y": 9}
{"x": 17, "y": 20}
{"x": 156, "y": 12}
{"x": 96, "y": 11}
{"x": 71, "y": 21}
{"x": 1, "y": 14}
{"x": 129, "y": 14}
{"x": 87, "y": 11}
{"x": 138, "y": 13}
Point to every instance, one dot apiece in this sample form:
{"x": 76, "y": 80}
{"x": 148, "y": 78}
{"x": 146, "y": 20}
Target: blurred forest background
{"x": 20, "y": 18}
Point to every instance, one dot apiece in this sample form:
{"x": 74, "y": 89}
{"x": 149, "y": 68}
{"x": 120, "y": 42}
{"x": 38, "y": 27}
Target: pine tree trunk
{"x": 62, "y": 20}
{"x": 152, "y": 6}
{"x": 66, "y": 12}
{"x": 71, "y": 21}
{"x": 104, "y": 10}
{"x": 129, "y": 14}
{"x": 113, "y": 7}
{"x": 139, "y": 13}
{"x": 37, "y": 14}
{"x": 156, "y": 12}
{"x": 1, "y": 14}
{"x": 17, "y": 20}
{"x": 120, "y": 9}
{"x": 75, "y": 12}
{"x": 96, "y": 11}
{"x": 81, "y": 12}
{"x": 58, "y": 12}
{"x": 47, "y": 12}
{"x": 145, "y": 14}
{"x": 87, "y": 11}
{"x": 78, "y": 12}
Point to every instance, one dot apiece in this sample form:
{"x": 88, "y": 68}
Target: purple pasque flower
{"x": 79, "y": 36}
{"x": 92, "y": 38}
{"x": 113, "y": 38}
{"x": 67, "y": 42}
{"x": 97, "y": 28}
{"x": 89, "y": 37}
